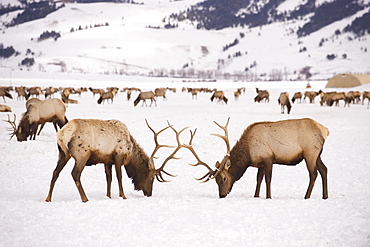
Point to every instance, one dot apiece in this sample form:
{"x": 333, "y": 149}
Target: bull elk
{"x": 144, "y": 96}
{"x": 38, "y": 113}
{"x": 263, "y": 144}
{"x": 284, "y": 102}
{"x": 93, "y": 141}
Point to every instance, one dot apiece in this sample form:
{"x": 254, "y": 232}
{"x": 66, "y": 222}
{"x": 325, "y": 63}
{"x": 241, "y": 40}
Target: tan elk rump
{"x": 93, "y": 141}
{"x": 263, "y": 144}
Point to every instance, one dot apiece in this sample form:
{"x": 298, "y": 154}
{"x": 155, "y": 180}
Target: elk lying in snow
{"x": 5, "y": 108}
{"x": 284, "y": 101}
{"x": 220, "y": 96}
{"x": 297, "y": 96}
{"x": 262, "y": 95}
{"x": 39, "y": 112}
{"x": 92, "y": 141}
{"x": 263, "y": 144}
{"x": 144, "y": 96}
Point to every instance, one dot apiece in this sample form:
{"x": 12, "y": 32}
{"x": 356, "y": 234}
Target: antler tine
{"x": 226, "y": 136}
{"x": 13, "y": 126}
{"x": 159, "y": 175}
{"x": 157, "y": 145}
{"x": 189, "y": 146}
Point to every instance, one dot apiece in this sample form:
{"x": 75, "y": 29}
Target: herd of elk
{"x": 93, "y": 141}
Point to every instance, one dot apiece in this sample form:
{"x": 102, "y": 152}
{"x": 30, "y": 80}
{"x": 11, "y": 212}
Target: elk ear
{"x": 227, "y": 164}
{"x": 151, "y": 164}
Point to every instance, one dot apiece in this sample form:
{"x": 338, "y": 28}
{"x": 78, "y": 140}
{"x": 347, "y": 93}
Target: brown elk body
{"x": 106, "y": 96}
{"x": 38, "y": 113}
{"x": 160, "y": 92}
{"x": 311, "y": 95}
{"x": 219, "y": 96}
{"x": 93, "y": 141}
{"x": 144, "y": 96}
{"x": 262, "y": 95}
{"x": 4, "y": 92}
{"x": 284, "y": 102}
{"x": 366, "y": 95}
{"x": 21, "y": 93}
{"x": 297, "y": 96}
{"x": 263, "y": 144}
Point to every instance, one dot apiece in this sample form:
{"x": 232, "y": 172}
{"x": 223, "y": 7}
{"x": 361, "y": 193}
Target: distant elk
{"x": 160, "y": 92}
{"x": 21, "y": 93}
{"x": 366, "y": 95}
{"x": 219, "y": 96}
{"x": 297, "y": 96}
{"x": 311, "y": 95}
{"x": 262, "y": 95}
{"x": 34, "y": 91}
{"x": 5, "y": 108}
{"x": 263, "y": 144}
{"x": 93, "y": 141}
{"x": 106, "y": 96}
{"x": 4, "y": 92}
{"x": 144, "y": 96}
{"x": 331, "y": 98}
{"x": 50, "y": 92}
{"x": 38, "y": 113}
{"x": 284, "y": 102}
{"x": 96, "y": 91}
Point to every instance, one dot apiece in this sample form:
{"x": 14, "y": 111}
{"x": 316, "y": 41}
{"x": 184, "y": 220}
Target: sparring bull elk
{"x": 93, "y": 141}
{"x": 263, "y": 144}
{"x": 38, "y": 113}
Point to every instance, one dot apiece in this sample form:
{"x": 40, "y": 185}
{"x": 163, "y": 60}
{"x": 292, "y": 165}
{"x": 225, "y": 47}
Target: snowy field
{"x": 185, "y": 212}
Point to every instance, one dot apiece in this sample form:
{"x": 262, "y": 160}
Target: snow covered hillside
{"x": 185, "y": 212}
{"x": 109, "y": 38}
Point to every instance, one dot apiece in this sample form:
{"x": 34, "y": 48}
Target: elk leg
{"x": 62, "y": 161}
{"x": 33, "y": 130}
{"x": 268, "y": 176}
{"x": 312, "y": 170}
{"x": 118, "y": 168}
{"x": 108, "y": 173}
{"x": 76, "y": 174}
{"x": 260, "y": 174}
{"x": 42, "y": 126}
{"x": 324, "y": 174}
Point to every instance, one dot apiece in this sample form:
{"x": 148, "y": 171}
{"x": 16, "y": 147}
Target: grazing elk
{"x": 4, "y": 92}
{"x": 144, "y": 96}
{"x": 21, "y": 93}
{"x": 297, "y": 96}
{"x": 263, "y": 144}
{"x": 160, "y": 92}
{"x": 34, "y": 91}
{"x": 284, "y": 101}
{"x": 220, "y": 96}
{"x": 38, "y": 113}
{"x": 311, "y": 95}
{"x": 262, "y": 95}
{"x": 5, "y": 108}
{"x": 93, "y": 141}
{"x": 106, "y": 96}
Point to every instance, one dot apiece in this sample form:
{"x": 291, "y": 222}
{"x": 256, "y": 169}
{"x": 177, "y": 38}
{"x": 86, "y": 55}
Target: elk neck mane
{"x": 239, "y": 157}
{"x": 137, "y": 168}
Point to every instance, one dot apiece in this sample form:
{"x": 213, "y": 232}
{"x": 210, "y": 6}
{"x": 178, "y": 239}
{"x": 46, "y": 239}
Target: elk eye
{"x": 225, "y": 179}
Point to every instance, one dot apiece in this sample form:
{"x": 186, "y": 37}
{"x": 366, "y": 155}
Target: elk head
{"x": 223, "y": 178}
{"x": 22, "y": 131}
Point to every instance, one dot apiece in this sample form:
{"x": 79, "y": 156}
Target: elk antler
{"x": 158, "y": 174}
{"x": 226, "y": 139}
{"x": 191, "y": 149}
{"x": 13, "y": 126}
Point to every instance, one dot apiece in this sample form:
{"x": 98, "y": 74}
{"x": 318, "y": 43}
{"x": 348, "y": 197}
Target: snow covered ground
{"x": 185, "y": 212}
